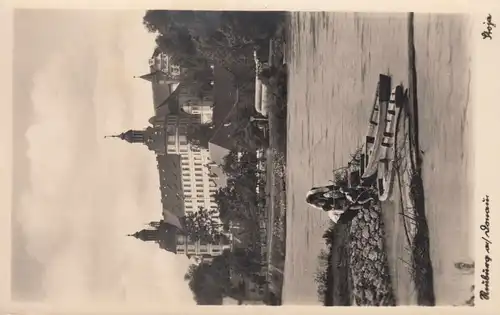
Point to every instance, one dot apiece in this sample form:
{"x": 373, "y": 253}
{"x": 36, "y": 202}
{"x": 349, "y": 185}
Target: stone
{"x": 372, "y": 227}
{"x": 367, "y": 217}
{"x": 366, "y": 251}
{"x": 369, "y": 296}
{"x": 366, "y": 232}
{"x": 373, "y": 256}
{"x": 374, "y": 214}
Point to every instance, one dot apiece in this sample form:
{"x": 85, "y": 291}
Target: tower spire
{"x": 113, "y": 136}
{"x": 131, "y": 136}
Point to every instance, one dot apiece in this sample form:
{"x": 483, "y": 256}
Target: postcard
{"x": 177, "y": 159}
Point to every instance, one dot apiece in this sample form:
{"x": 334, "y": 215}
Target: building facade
{"x": 198, "y": 184}
{"x": 162, "y": 62}
{"x": 196, "y": 101}
{"x": 185, "y": 181}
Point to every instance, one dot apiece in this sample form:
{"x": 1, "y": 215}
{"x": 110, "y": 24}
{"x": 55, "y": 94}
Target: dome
{"x": 127, "y": 136}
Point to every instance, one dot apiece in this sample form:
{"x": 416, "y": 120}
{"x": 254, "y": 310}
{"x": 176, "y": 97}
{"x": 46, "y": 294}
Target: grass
{"x": 333, "y": 273}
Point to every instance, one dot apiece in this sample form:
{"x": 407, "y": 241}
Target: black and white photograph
{"x": 272, "y": 158}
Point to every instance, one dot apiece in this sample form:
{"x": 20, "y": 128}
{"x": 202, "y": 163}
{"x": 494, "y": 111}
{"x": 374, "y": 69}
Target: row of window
{"x": 193, "y": 251}
{"x": 189, "y": 206}
{"x": 200, "y": 193}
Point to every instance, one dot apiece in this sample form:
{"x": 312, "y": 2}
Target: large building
{"x": 185, "y": 181}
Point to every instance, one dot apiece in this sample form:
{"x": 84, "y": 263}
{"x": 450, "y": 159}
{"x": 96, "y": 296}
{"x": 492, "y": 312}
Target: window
{"x": 199, "y": 179}
{"x": 171, "y": 140}
{"x": 199, "y": 190}
{"x": 198, "y": 169}
{"x": 181, "y": 240}
{"x": 199, "y": 185}
{"x": 199, "y": 196}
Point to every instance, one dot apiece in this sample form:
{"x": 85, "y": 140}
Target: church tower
{"x": 146, "y": 235}
{"x": 131, "y": 136}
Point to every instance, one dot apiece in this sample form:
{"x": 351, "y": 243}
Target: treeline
{"x": 194, "y": 39}
{"x": 197, "y": 40}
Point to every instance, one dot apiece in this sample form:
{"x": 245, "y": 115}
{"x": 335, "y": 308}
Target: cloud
{"x": 85, "y": 191}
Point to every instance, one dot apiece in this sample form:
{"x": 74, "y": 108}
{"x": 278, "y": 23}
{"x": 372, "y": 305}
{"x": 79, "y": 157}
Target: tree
{"x": 225, "y": 38}
{"x": 206, "y": 285}
{"x": 240, "y": 164}
{"x": 210, "y": 282}
{"x": 202, "y": 226}
{"x": 200, "y": 135}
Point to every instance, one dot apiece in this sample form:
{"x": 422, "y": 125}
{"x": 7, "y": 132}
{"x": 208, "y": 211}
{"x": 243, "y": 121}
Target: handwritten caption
{"x": 484, "y": 294}
{"x": 488, "y": 33}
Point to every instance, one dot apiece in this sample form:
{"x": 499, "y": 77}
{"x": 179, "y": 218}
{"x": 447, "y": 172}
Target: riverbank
{"x": 276, "y": 166}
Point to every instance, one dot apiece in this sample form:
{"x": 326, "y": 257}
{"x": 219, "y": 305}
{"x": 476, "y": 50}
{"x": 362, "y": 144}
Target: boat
{"x": 378, "y": 153}
{"x": 376, "y": 126}
{"x": 386, "y": 170}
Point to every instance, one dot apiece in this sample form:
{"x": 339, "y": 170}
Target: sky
{"x": 77, "y": 195}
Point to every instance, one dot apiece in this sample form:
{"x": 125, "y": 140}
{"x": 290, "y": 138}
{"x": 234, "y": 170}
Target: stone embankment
{"x": 371, "y": 283}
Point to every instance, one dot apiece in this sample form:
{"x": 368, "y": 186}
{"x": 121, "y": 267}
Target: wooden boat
{"x": 386, "y": 170}
{"x": 378, "y": 153}
{"x": 376, "y": 127}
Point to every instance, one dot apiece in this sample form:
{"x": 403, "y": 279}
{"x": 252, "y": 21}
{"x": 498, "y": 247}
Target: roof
{"x": 156, "y": 52}
{"x": 221, "y": 179}
{"x": 169, "y": 168}
{"x": 217, "y": 152}
{"x": 224, "y": 93}
{"x": 220, "y": 141}
{"x": 151, "y": 76}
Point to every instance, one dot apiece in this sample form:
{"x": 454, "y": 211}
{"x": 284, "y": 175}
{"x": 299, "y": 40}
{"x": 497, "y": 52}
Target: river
{"x": 334, "y": 62}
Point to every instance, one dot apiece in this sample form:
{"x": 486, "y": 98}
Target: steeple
{"x": 131, "y": 136}
{"x": 151, "y": 77}
{"x": 146, "y": 235}
{"x": 158, "y": 77}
